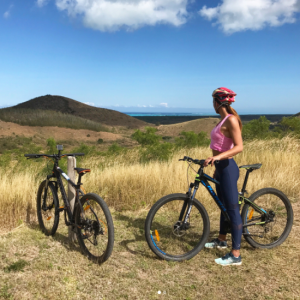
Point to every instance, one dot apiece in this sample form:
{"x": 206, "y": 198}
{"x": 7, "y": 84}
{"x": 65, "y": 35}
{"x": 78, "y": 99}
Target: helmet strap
{"x": 222, "y": 104}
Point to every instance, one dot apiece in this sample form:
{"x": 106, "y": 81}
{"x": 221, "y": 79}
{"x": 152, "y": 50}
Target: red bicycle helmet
{"x": 224, "y": 95}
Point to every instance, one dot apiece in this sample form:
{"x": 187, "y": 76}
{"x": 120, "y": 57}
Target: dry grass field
{"x": 34, "y": 266}
{"x": 125, "y": 184}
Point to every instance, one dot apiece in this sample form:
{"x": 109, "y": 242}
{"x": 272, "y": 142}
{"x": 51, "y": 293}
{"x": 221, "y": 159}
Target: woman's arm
{"x": 236, "y": 136}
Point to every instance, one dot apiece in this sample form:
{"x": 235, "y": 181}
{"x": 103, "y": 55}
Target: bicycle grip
{"x": 215, "y": 162}
{"x": 32, "y": 155}
{"x": 75, "y": 154}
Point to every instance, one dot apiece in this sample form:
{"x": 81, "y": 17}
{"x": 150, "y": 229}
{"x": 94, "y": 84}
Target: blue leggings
{"x": 227, "y": 173}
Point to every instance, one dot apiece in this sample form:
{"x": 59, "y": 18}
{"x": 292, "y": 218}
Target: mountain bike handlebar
{"x": 54, "y": 155}
{"x": 196, "y": 161}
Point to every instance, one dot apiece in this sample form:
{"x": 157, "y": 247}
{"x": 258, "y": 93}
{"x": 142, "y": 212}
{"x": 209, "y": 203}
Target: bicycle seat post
{"x": 245, "y": 181}
{"x": 79, "y": 179}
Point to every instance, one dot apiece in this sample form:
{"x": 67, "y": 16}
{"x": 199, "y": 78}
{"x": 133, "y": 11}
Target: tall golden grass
{"x": 125, "y": 184}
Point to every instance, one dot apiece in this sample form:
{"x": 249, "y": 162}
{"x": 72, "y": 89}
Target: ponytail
{"x": 232, "y": 111}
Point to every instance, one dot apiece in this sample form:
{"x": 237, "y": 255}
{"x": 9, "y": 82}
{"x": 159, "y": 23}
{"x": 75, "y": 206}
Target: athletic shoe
{"x": 229, "y": 260}
{"x": 216, "y": 243}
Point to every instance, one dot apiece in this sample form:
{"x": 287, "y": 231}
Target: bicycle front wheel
{"x": 47, "y": 208}
{"x": 164, "y": 232}
{"x": 95, "y": 229}
{"x": 270, "y": 229}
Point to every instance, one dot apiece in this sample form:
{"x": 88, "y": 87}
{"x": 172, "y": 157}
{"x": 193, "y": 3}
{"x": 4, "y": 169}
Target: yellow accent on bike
{"x": 251, "y": 214}
{"x": 87, "y": 207}
{"x": 49, "y": 218}
{"x": 61, "y": 207}
{"x": 157, "y": 235}
{"x": 82, "y": 188}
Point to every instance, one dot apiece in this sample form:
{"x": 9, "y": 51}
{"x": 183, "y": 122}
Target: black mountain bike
{"x": 91, "y": 219}
{"x": 177, "y": 226}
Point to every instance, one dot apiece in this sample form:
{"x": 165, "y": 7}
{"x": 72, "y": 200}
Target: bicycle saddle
{"x": 253, "y": 167}
{"x": 82, "y": 170}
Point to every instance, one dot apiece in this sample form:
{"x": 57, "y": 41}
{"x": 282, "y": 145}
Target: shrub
{"x": 161, "y": 152}
{"x": 146, "y": 138}
{"x": 83, "y": 148}
{"x": 257, "y": 129}
{"x": 51, "y": 145}
{"x": 100, "y": 141}
{"x": 190, "y": 139}
{"x": 115, "y": 149}
{"x": 289, "y": 124}
{"x": 14, "y": 143}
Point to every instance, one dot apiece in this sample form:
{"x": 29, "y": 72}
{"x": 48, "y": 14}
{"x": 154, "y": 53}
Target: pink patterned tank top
{"x": 219, "y": 141}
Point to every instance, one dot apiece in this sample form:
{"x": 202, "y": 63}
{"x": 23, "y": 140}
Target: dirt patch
{"x": 81, "y": 135}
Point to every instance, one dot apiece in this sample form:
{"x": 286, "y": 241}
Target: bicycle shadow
{"x": 59, "y": 237}
{"x": 139, "y": 223}
{"x": 139, "y": 236}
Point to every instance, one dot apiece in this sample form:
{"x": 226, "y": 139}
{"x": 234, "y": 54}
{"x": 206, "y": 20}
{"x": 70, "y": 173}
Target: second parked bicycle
{"x": 91, "y": 219}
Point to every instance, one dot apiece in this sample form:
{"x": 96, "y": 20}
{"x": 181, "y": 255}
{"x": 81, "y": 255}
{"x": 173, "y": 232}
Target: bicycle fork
{"x": 44, "y": 207}
{"x": 183, "y": 220}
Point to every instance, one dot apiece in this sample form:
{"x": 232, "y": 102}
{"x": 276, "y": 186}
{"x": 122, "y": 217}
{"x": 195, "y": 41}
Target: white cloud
{"x": 145, "y": 105}
{"x": 41, "y": 3}
{"x": 112, "y": 15}
{"x": 6, "y": 15}
{"x": 164, "y": 104}
{"x": 239, "y": 15}
{"x": 90, "y": 103}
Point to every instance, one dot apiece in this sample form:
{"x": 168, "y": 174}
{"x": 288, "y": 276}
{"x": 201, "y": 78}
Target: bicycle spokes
{"x": 269, "y": 226}
{"x": 172, "y": 236}
{"x": 48, "y": 210}
{"x": 94, "y": 228}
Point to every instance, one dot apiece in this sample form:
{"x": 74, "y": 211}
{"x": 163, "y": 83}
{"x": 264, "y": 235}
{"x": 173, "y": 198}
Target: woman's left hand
{"x": 212, "y": 160}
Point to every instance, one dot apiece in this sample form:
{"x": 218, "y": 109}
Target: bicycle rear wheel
{"x": 279, "y": 219}
{"x": 164, "y": 235}
{"x": 95, "y": 229}
{"x": 47, "y": 210}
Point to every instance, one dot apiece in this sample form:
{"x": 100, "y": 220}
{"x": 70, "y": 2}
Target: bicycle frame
{"x": 204, "y": 179}
{"x": 58, "y": 173}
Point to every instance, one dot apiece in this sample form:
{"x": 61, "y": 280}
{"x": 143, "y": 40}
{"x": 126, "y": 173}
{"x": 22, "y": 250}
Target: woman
{"x": 226, "y": 142}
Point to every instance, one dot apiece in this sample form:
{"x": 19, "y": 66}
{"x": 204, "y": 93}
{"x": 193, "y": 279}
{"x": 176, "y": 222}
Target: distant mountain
{"x": 69, "y": 106}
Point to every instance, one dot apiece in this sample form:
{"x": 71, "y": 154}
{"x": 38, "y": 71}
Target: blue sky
{"x": 152, "y": 53}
